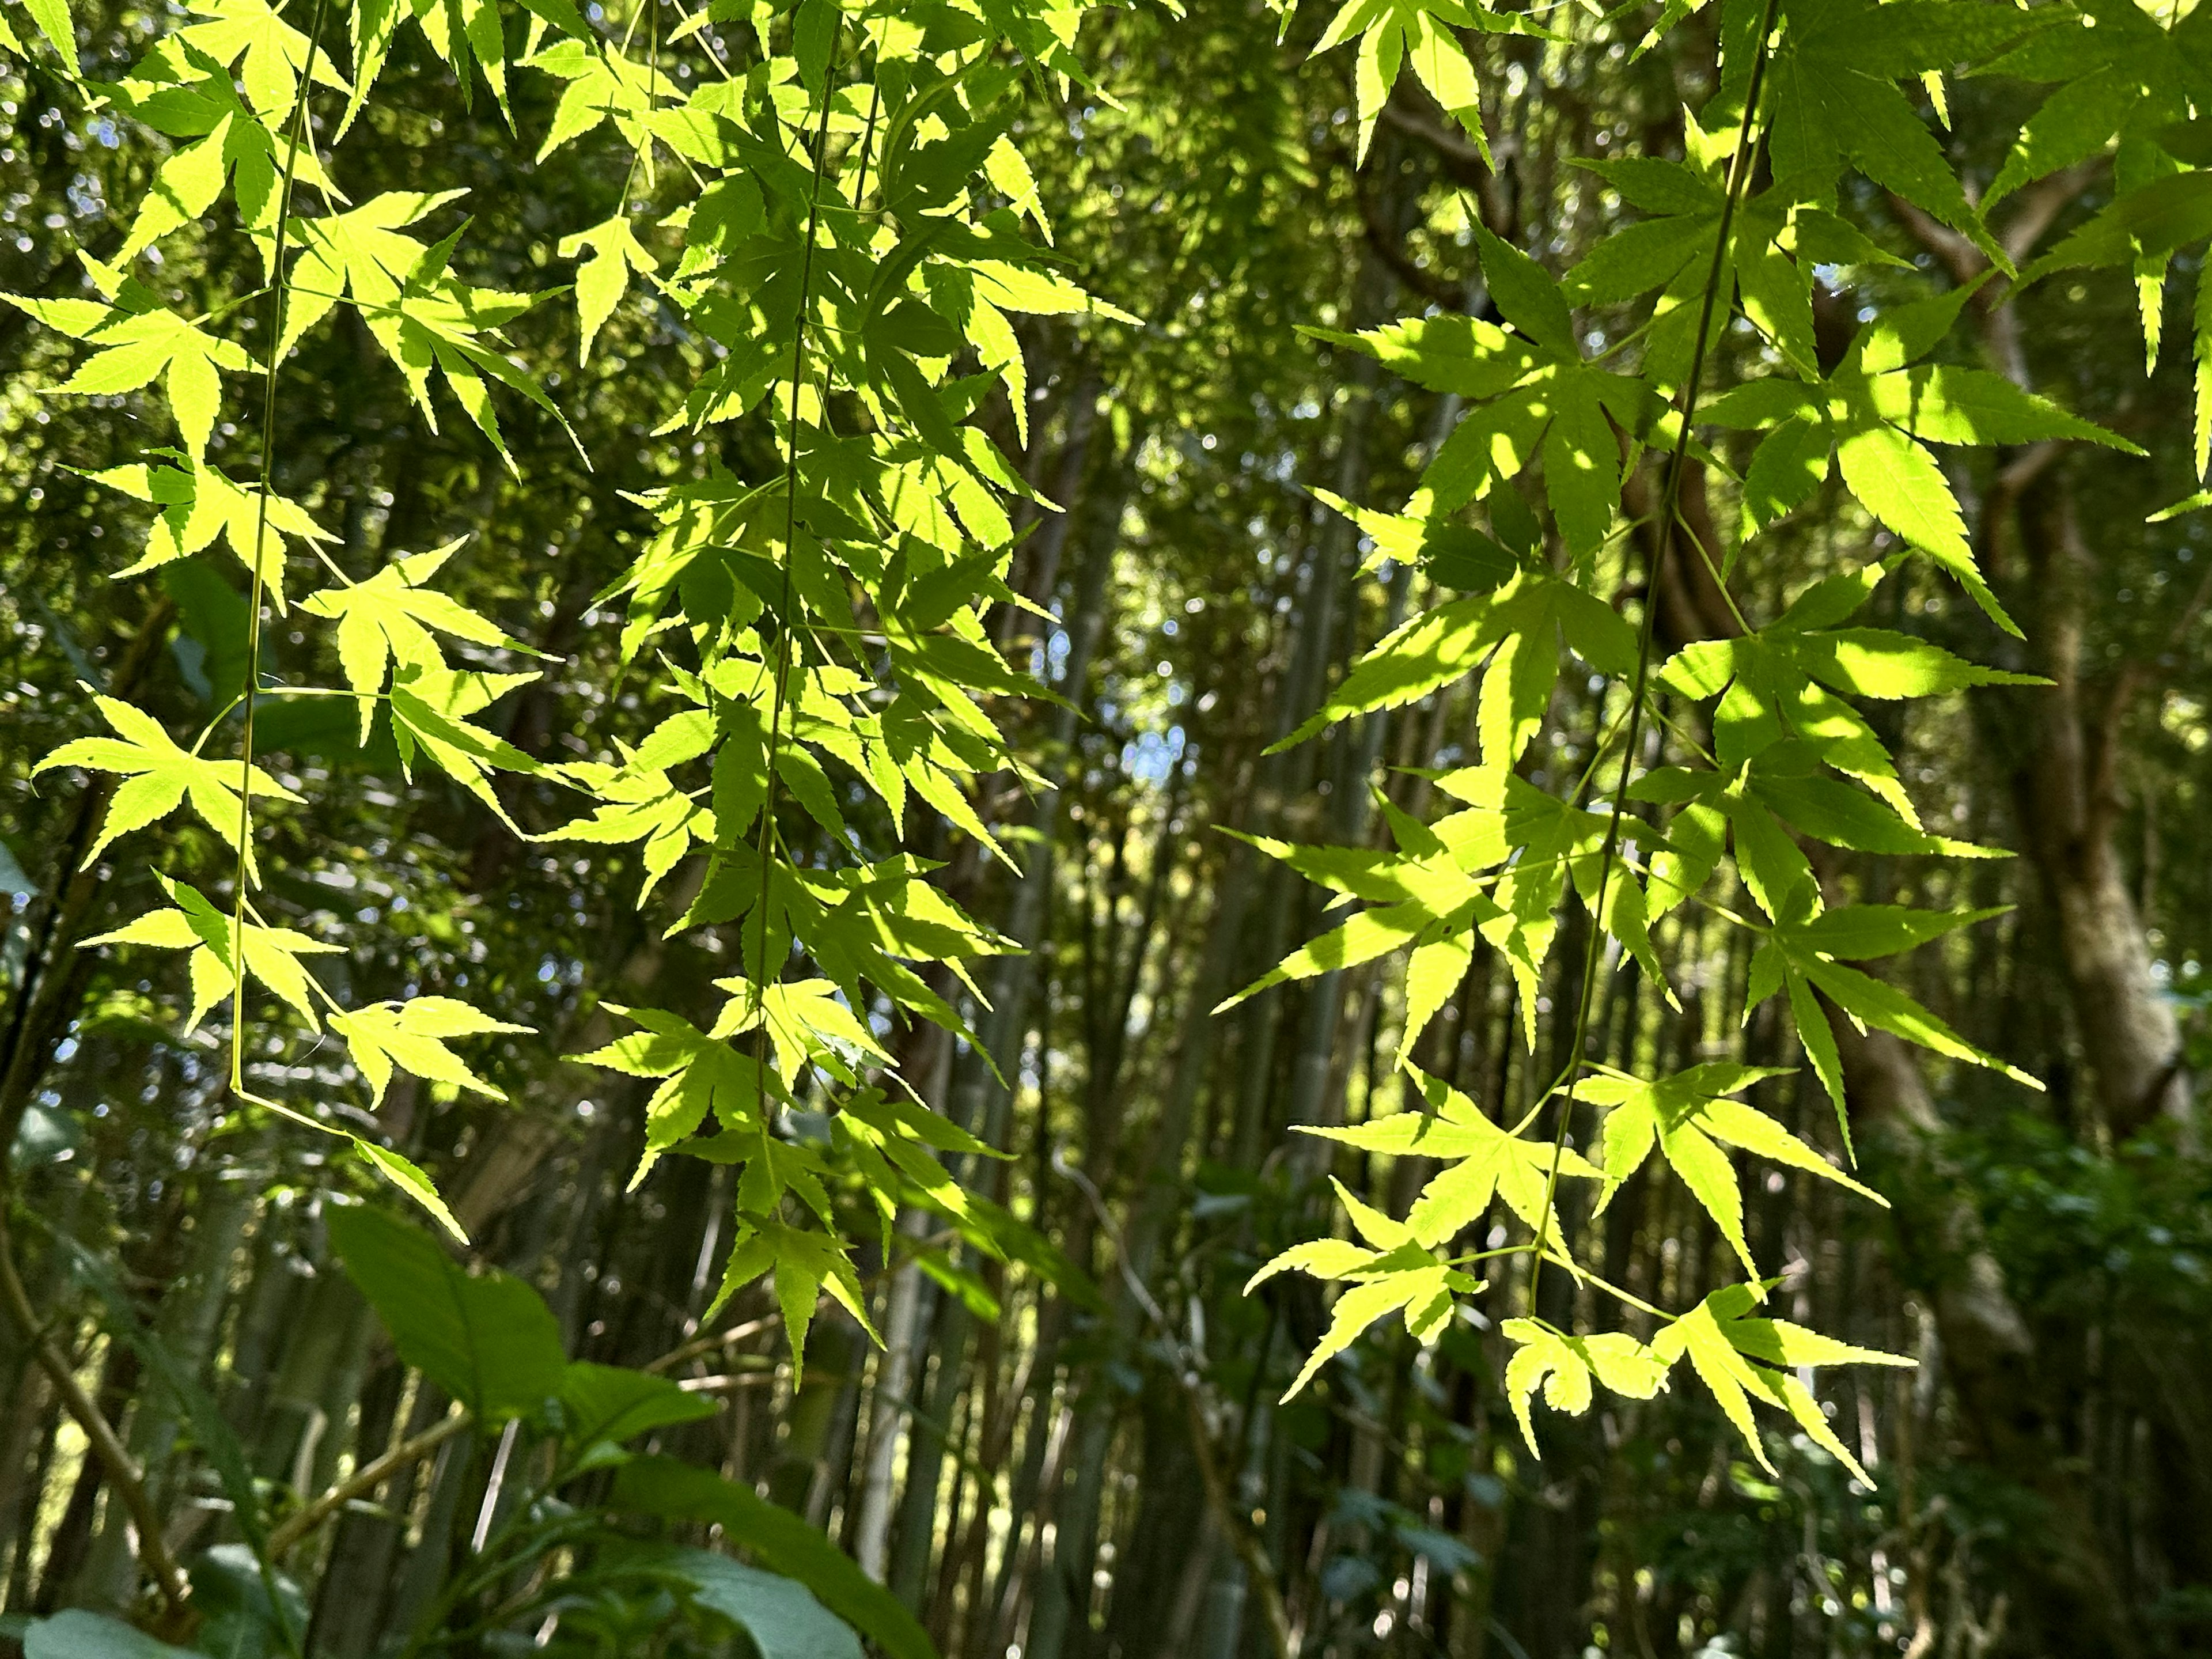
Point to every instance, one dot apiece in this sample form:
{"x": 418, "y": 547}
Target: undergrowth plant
{"x": 827, "y": 205}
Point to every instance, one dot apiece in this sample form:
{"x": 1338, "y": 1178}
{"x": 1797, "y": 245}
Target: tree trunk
{"x": 1989, "y": 1353}
{"x": 2069, "y": 792}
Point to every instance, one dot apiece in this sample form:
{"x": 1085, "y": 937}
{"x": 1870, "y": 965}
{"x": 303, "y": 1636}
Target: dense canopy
{"x": 1006, "y": 830}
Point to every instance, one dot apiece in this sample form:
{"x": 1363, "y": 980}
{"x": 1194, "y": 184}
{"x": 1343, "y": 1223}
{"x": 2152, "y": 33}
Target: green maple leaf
{"x": 1484, "y": 1160}
{"x": 273, "y": 954}
{"x": 602, "y": 85}
{"x": 1781, "y": 686}
{"x": 139, "y": 340}
{"x": 1513, "y": 629}
{"x": 454, "y": 328}
{"x": 1394, "y": 33}
{"x": 2125, "y": 74}
{"x": 1393, "y": 1272}
{"x": 805, "y": 1264}
{"x": 52, "y": 17}
{"x": 411, "y": 1036}
{"x": 1776, "y": 242}
{"x": 390, "y": 618}
{"x": 807, "y": 1026}
{"x": 430, "y": 709}
{"x": 424, "y": 317}
{"x": 638, "y": 803}
{"x": 267, "y": 54}
{"x": 1877, "y": 413}
{"x": 1534, "y": 393}
{"x": 184, "y": 89}
{"x": 1741, "y": 1359}
{"x": 1809, "y": 952}
{"x": 158, "y": 777}
{"x": 199, "y": 503}
{"x": 1564, "y": 1367}
{"x": 701, "y": 1074}
{"x": 602, "y": 278}
{"x": 457, "y": 31}
{"x": 1833, "y": 81}
{"x": 1691, "y": 1119}
{"x": 359, "y": 255}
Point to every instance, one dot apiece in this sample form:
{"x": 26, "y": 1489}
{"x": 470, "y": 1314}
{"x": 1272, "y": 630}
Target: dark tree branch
{"x": 45, "y": 1000}
{"x": 1960, "y": 256}
{"x": 2042, "y": 202}
{"x": 1458, "y": 152}
{"x": 123, "y": 1476}
{"x": 1412, "y": 110}
{"x": 1390, "y": 247}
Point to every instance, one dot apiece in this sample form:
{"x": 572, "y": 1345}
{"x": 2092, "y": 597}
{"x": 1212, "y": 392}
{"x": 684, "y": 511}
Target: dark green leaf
{"x": 611, "y": 1403}
{"x": 1526, "y": 294}
{"x": 780, "y": 1614}
{"x": 779, "y": 1541}
{"x": 1860, "y": 930}
{"x": 80, "y": 1635}
{"x": 488, "y": 1339}
{"x": 1461, "y": 557}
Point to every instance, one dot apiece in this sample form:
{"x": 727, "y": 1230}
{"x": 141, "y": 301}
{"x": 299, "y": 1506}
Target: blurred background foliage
{"x": 1089, "y": 1463}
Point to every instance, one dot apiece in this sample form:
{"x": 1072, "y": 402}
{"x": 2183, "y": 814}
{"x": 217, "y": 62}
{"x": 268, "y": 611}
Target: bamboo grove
{"x": 961, "y": 826}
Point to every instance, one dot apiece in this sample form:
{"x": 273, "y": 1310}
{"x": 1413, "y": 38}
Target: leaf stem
{"x": 1739, "y": 179}
{"x": 276, "y": 304}
{"x": 1589, "y": 1277}
{"x": 783, "y": 640}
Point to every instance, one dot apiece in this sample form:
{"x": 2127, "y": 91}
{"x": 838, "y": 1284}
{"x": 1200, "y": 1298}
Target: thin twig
{"x": 783, "y": 631}
{"x": 364, "y": 1480}
{"x": 699, "y": 1346}
{"x": 703, "y": 1346}
{"x": 1670, "y": 512}
{"x": 122, "y": 1474}
{"x": 277, "y": 298}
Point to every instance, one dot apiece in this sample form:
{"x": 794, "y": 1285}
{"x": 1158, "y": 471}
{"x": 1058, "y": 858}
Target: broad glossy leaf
{"x": 488, "y": 1340}
{"x": 779, "y": 1614}
{"x": 615, "y": 1404}
{"x": 779, "y": 1541}
{"x": 76, "y": 1634}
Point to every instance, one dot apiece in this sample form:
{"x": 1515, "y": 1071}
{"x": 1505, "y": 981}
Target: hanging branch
{"x": 1670, "y": 514}
{"x": 1548, "y": 401}
{"x": 279, "y": 292}
{"x": 783, "y": 622}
